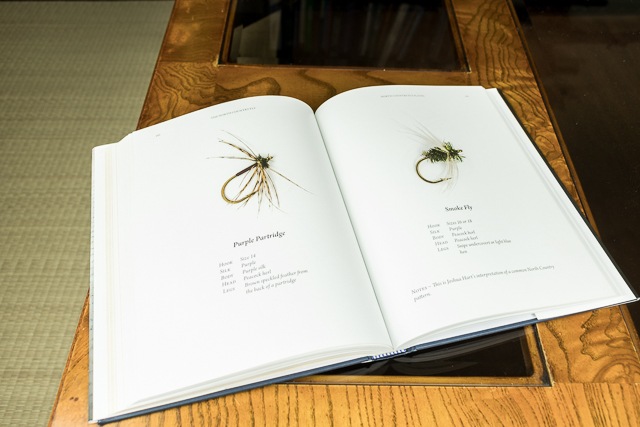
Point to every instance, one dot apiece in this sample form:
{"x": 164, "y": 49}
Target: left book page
{"x": 221, "y": 254}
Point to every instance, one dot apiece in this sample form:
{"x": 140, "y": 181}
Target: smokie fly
{"x": 440, "y": 152}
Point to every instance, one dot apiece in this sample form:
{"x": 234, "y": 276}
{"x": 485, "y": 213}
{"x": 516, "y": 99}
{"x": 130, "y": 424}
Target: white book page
{"x": 209, "y": 288}
{"x": 495, "y": 243}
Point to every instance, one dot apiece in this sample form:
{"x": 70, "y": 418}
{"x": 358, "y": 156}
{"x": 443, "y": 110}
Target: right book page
{"x": 462, "y": 225}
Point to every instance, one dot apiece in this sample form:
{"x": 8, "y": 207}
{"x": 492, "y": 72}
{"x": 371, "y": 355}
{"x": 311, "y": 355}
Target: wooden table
{"x": 591, "y": 359}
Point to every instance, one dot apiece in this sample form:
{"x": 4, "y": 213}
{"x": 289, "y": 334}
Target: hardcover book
{"x": 257, "y": 241}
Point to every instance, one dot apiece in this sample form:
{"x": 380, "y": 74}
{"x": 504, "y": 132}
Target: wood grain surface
{"x": 592, "y": 358}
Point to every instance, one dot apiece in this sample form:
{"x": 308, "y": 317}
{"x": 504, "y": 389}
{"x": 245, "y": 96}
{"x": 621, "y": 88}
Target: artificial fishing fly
{"x": 440, "y": 152}
{"x": 444, "y": 153}
{"x": 256, "y": 180}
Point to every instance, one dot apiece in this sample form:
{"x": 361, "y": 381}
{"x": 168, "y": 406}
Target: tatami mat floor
{"x": 72, "y": 75}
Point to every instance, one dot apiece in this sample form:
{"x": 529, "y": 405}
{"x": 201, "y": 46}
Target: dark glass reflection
{"x": 499, "y": 355}
{"x": 410, "y": 34}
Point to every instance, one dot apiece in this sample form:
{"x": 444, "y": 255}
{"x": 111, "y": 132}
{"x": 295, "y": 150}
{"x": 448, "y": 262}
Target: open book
{"x": 256, "y": 241}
